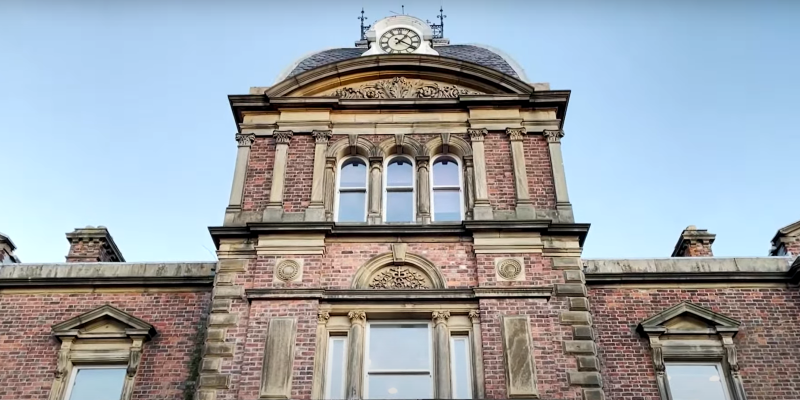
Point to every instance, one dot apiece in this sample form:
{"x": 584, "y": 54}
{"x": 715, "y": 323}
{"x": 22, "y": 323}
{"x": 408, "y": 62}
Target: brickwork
{"x": 299, "y": 174}
{"x": 538, "y": 270}
{"x": 765, "y": 343}
{"x": 87, "y": 250}
{"x": 499, "y": 171}
{"x": 259, "y": 174}
{"x": 29, "y": 350}
{"x": 540, "y": 172}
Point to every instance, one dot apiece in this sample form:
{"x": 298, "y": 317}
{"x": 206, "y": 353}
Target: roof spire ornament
{"x": 438, "y": 29}
{"x": 364, "y": 28}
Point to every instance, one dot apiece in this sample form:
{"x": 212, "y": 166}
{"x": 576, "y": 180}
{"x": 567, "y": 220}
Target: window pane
{"x": 352, "y": 207}
{"x": 399, "y": 173}
{"x": 98, "y": 384}
{"x": 400, "y": 206}
{"x": 446, "y": 205}
{"x": 445, "y": 172}
{"x": 399, "y": 347}
{"x": 689, "y": 382}
{"x": 400, "y": 386}
{"x": 336, "y": 368}
{"x": 462, "y": 375}
{"x": 354, "y": 174}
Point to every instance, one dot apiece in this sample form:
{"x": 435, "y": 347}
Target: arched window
{"x": 351, "y": 191}
{"x": 399, "y": 190}
{"x": 447, "y": 204}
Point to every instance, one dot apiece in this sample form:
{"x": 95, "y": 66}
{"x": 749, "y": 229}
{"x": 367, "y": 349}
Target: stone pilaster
{"x": 559, "y": 178}
{"x": 316, "y": 208}
{"x": 482, "y": 209}
{"x": 274, "y": 211}
{"x": 478, "y": 388}
{"x": 423, "y": 190}
{"x": 441, "y": 357}
{"x": 330, "y": 187}
{"x": 469, "y": 186}
{"x": 524, "y": 206}
{"x": 320, "y": 358}
{"x": 375, "y": 190}
{"x": 578, "y": 316}
{"x": 355, "y": 353}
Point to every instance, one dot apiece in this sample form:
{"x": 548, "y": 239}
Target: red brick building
{"x": 399, "y": 226}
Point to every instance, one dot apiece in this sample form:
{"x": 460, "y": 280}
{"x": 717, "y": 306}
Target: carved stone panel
{"x": 276, "y": 379}
{"x": 518, "y": 354}
{"x": 398, "y": 277}
{"x": 400, "y": 88}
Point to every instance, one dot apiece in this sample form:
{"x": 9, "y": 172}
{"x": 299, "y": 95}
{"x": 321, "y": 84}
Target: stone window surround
{"x": 116, "y": 347}
{"x": 461, "y": 179}
{"x": 385, "y": 180}
{"x": 339, "y": 164}
{"x": 350, "y": 320}
{"x": 711, "y": 345}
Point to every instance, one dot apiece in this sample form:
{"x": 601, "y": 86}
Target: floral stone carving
{"x": 398, "y": 278}
{"x": 401, "y": 88}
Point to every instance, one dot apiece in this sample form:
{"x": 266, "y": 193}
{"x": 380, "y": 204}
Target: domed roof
{"x": 478, "y": 54}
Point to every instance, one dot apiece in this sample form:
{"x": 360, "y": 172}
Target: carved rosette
{"x": 321, "y": 137}
{"x": 516, "y": 134}
{"x": 282, "y": 137}
{"x": 398, "y": 278}
{"x": 357, "y": 317}
{"x": 477, "y": 135}
{"x": 245, "y": 140}
{"x": 509, "y": 269}
{"x": 287, "y": 270}
{"x": 553, "y": 136}
{"x": 440, "y": 316}
{"x": 401, "y": 88}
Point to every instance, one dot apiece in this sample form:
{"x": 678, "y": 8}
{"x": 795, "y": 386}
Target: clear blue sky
{"x": 115, "y": 112}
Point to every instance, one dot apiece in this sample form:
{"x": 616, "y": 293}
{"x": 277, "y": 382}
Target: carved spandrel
{"x": 401, "y": 88}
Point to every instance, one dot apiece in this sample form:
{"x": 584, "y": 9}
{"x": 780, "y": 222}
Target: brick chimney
{"x": 92, "y": 244}
{"x": 7, "y": 250}
{"x": 787, "y": 241}
{"x": 694, "y": 243}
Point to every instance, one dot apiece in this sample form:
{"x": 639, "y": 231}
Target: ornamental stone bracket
{"x": 401, "y": 88}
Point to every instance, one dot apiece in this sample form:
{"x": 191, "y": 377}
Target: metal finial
{"x": 438, "y": 29}
{"x": 364, "y": 28}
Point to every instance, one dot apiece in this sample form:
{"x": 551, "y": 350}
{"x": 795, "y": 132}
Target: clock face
{"x": 400, "y": 41}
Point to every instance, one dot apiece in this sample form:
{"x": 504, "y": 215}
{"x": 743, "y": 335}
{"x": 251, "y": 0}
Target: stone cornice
{"x": 397, "y": 295}
{"x": 107, "y": 275}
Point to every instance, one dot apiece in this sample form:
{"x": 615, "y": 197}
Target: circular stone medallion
{"x": 509, "y": 269}
{"x": 287, "y": 270}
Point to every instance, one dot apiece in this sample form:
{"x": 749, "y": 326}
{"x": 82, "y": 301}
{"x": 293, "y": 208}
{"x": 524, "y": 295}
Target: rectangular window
{"x": 689, "y": 381}
{"x": 399, "y": 361}
{"x": 461, "y": 367}
{"x": 95, "y": 383}
{"x": 337, "y": 365}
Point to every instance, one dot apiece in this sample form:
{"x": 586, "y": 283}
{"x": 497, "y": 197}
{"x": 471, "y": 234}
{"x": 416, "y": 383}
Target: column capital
{"x": 321, "y": 137}
{"x": 323, "y": 317}
{"x": 282, "y": 137}
{"x": 475, "y": 316}
{"x": 245, "y": 140}
{"x": 440, "y": 316}
{"x": 477, "y": 135}
{"x": 516, "y": 134}
{"x": 553, "y": 136}
{"x": 357, "y": 317}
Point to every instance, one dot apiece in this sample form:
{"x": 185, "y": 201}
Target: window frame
{"x": 329, "y": 366}
{"x": 366, "y": 369}
{"x": 726, "y": 389}
{"x": 467, "y": 337}
{"x": 74, "y": 374}
{"x": 385, "y": 188}
{"x": 338, "y": 188}
{"x": 432, "y": 194}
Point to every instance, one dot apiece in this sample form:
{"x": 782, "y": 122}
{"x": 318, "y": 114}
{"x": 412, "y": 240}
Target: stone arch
{"x": 410, "y": 146}
{"x": 353, "y": 145}
{"x": 455, "y": 145}
{"x": 390, "y": 271}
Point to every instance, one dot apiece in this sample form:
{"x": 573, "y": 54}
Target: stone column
{"x": 482, "y": 209}
{"x": 375, "y": 190}
{"x": 441, "y": 356}
{"x": 355, "y": 353}
{"x": 524, "y": 206}
{"x": 320, "y": 356}
{"x": 316, "y": 208}
{"x": 274, "y": 210}
{"x": 330, "y": 187}
{"x": 559, "y": 178}
{"x": 478, "y": 389}
{"x": 240, "y": 172}
{"x": 469, "y": 186}
{"x": 423, "y": 190}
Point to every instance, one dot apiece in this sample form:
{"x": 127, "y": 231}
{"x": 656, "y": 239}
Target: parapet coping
{"x": 108, "y": 274}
